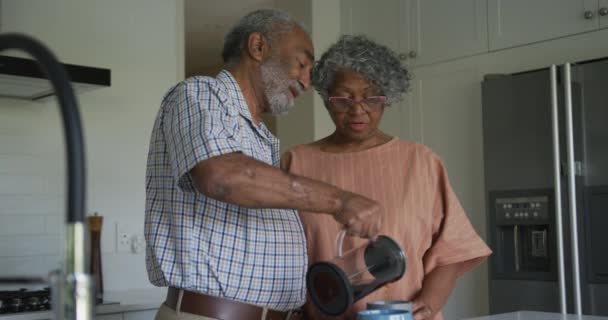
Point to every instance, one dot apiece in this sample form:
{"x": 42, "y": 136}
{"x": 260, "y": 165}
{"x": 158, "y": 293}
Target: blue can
{"x": 384, "y": 314}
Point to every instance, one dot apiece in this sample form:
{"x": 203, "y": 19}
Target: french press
{"x": 336, "y": 284}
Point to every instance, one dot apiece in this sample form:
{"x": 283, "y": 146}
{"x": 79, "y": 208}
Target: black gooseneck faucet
{"x": 72, "y": 289}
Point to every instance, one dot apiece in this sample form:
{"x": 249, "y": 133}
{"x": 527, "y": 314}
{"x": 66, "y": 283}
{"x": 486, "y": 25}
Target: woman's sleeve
{"x": 454, "y": 238}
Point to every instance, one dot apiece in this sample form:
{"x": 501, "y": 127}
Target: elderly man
{"x": 222, "y": 231}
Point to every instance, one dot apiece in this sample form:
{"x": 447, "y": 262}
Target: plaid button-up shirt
{"x": 257, "y": 256}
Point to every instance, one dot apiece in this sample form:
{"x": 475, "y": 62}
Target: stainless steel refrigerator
{"x": 546, "y": 182}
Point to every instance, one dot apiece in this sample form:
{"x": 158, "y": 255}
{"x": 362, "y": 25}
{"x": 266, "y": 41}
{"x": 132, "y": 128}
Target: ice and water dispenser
{"x": 524, "y": 236}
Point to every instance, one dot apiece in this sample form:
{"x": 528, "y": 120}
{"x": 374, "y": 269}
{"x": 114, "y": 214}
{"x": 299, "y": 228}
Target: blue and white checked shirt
{"x": 257, "y": 256}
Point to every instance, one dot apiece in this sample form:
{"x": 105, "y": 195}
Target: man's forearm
{"x": 242, "y": 180}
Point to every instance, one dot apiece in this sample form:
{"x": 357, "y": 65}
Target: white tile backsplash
{"x": 30, "y": 245}
{"x": 29, "y": 266}
{"x": 22, "y": 164}
{"x": 20, "y": 224}
{"x": 54, "y": 224}
{"x": 22, "y": 184}
{"x": 11, "y": 204}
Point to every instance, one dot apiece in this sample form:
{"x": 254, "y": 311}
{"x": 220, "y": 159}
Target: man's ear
{"x": 257, "y": 46}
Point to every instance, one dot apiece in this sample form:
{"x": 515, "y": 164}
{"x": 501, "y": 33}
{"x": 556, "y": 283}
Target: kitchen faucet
{"x": 72, "y": 287}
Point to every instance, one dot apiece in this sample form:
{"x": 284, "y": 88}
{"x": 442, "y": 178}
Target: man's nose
{"x": 305, "y": 79}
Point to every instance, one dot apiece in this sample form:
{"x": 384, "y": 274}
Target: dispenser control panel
{"x": 522, "y": 210}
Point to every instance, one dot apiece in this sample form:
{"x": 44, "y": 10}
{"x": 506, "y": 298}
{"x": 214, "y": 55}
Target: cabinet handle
{"x": 402, "y": 56}
{"x": 603, "y": 11}
{"x": 413, "y": 54}
{"x": 588, "y": 15}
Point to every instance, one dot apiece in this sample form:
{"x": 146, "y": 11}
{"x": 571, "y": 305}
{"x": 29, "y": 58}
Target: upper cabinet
{"x": 382, "y": 23}
{"x": 446, "y": 29}
{"x": 518, "y": 22}
{"x": 603, "y": 13}
{"x": 421, "y": 31}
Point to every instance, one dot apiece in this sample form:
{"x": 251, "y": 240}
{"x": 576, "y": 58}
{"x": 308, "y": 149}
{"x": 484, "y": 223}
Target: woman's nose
{"x": 357, "y": 107}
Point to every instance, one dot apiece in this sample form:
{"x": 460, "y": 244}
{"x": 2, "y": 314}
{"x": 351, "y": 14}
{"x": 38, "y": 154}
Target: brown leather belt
{"x": 218, "y": 308}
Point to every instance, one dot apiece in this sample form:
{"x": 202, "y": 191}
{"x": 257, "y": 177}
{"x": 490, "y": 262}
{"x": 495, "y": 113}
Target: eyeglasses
{"x": 369, "y": 104}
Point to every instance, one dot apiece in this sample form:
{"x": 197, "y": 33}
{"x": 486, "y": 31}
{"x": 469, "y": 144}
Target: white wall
{"x": 141, "y": 41}
{"x": 326, "y": 23}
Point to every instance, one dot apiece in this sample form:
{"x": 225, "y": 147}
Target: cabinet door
{"x": 381, "y": 21}
{"x": 516, "y": 22}
{"x": 603, "y": 13}
{"x": 446, "y": 29}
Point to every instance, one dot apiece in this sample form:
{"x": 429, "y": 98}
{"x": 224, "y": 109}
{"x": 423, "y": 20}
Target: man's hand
{"x": 360, "y": 215}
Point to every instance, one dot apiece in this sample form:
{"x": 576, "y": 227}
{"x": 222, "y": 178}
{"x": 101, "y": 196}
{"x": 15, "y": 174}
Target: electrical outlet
{"x": 138, "y": 244}
{"x": 129, "y": 238}
{"x": 123, "y": 242}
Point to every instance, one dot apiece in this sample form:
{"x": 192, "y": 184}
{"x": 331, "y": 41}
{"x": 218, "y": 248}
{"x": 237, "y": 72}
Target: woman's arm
{"x": 436, "y": 288}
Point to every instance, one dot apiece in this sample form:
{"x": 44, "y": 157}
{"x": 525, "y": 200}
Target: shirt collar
{"x": 236, "y": 95}
{"x": 234, "y": 92}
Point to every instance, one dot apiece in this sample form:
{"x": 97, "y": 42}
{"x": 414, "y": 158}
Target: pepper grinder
{"x": 95, "y": 223}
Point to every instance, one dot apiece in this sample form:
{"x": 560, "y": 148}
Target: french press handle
{"x": 339, "y": 242}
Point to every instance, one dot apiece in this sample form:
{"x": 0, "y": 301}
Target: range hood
{"x": 22, "y": 78}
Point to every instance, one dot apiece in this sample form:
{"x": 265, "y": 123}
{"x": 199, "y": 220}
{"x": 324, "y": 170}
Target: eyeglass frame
{"x": 352, "y": 102}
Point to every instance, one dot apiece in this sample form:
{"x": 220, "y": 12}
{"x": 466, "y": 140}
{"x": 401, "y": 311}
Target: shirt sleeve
{"x": 198, "y": 126}
{"x": 286, "y": 161}
{"x": 454, "y": 238}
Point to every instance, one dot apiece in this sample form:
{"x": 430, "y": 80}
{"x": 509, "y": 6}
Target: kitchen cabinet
{"x": 517, "y": 22}
{"x": 602, "y": 11}
{"x": 382, "y": 23}
{"x": 421, "y": 31}
{"x": 443, "y": 30}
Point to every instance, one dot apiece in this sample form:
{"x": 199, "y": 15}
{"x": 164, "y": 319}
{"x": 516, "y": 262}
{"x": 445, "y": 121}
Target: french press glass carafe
{"x": 335, "y": 285}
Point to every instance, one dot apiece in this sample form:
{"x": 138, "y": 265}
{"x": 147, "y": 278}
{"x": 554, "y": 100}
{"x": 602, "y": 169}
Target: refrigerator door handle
{"x": 516, "y": 247}
{"x": 558, "y": 192}
{"x": 572, "y": 188}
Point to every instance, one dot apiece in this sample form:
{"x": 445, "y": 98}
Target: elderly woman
{"x": 357, "y": 79}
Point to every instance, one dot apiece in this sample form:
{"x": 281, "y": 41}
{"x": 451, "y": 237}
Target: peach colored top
{"x": 421, "y": 211}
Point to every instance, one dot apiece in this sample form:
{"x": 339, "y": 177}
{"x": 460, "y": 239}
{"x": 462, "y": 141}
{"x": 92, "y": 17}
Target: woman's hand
{"x": 436, "y": 288}
{"x": 422, "y": 311}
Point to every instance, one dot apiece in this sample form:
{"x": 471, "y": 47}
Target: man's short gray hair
{"x": 268, "y": 22}
{"x": 376, "y": 63}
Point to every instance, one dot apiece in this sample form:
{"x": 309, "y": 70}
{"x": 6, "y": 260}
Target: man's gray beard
{"x": 276, "y": 87}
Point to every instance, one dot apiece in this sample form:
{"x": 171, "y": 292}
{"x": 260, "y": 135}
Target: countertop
{"x": 117, "y": 302}
{"x": 536, "y": 315}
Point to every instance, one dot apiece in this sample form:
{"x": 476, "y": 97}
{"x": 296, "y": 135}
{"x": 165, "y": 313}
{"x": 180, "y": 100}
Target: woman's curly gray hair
{"x": 376, "y": 63}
